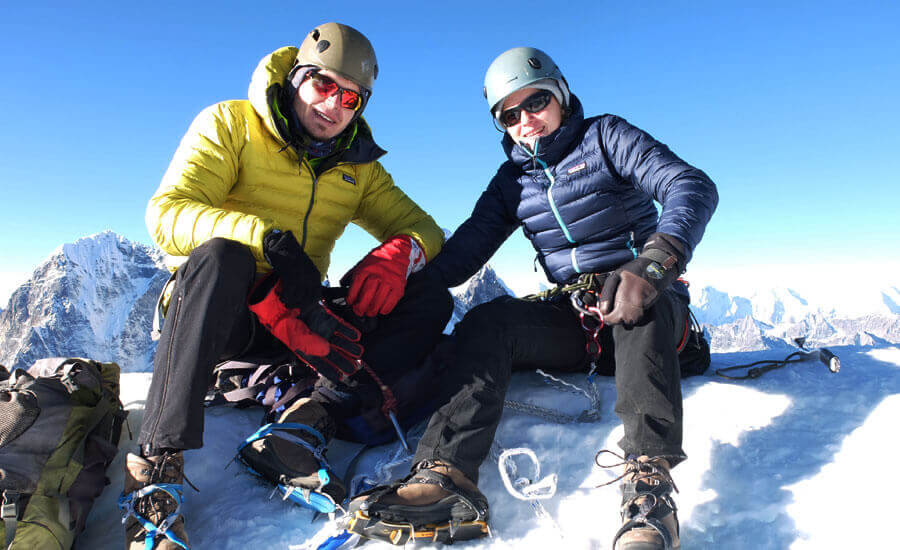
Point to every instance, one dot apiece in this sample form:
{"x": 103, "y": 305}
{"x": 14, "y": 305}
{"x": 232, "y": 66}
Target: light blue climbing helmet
{"x": 520, "y": 68}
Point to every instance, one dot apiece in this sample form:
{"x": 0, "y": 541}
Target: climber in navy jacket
{"x": 583, "y": 189}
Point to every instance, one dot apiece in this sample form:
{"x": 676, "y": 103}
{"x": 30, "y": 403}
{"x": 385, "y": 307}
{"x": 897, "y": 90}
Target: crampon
{"x": 319, "y": 490}
{"x": 462, "y": 515}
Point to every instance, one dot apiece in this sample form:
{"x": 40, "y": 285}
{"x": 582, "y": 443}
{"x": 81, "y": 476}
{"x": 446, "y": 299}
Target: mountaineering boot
{"x": 436, "y": 502}
{"x": 152, "y": 501}
{"x": 295, "y": 458}
{"x": 649, "y": 514}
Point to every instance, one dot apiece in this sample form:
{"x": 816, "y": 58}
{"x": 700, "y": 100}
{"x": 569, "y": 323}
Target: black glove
{"x": 300, "y": 279}
{"x": 633, "y": 288}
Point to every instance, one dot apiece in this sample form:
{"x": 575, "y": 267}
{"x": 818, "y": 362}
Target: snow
{"x": 798, "y": 459}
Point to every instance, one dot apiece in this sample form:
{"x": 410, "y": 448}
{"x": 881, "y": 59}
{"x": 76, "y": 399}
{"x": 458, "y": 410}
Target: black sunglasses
{"x": 535, "y": 103}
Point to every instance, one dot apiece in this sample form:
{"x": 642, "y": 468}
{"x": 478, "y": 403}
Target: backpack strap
{"x": 9, "y": 512}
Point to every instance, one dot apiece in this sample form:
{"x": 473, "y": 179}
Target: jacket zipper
{"x": 556, "y": 213}
{"x": 312, "y": 198}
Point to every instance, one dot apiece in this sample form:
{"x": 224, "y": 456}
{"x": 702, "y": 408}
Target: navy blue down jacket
{"x": 585, "y": 201}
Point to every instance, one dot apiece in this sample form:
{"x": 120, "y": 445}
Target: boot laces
{"x": 651, "y": 471}
{"x": 159, "y": 503}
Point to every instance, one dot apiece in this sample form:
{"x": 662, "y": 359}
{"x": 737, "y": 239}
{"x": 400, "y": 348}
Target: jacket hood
{"x": 266, "y": 85}
{"x": 551, "y": 148}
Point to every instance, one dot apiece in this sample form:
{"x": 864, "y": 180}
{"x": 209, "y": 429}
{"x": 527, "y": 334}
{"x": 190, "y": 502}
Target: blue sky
{"x": 791, "y": 108}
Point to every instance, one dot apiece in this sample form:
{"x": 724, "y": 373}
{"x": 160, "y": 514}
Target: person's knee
{"x": 221, "y": 256}
{"x": 225, "y": 253}
{"x": 486, "y": 321}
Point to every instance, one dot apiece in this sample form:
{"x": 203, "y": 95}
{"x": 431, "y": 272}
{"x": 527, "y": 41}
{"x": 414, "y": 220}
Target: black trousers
{"x": 508, "y": 334}
{"x": 208, "y": 321}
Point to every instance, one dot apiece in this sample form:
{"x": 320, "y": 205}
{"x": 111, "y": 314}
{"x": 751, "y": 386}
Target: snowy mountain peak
{"x": 482, "y": 287}
{"x": 93, "y": 297}
{"x": 102, "y": 251}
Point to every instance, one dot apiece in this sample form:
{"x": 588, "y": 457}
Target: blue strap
{"x": 284, "y": 429}
{"x": 127, "y": 502}
{"x": 335, "y": 542}
{"x": 318, "y": 501}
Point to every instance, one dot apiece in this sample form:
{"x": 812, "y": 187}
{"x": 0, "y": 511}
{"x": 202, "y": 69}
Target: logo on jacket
{"x": 349, "y": 179}
{"x": 577, "y": 168}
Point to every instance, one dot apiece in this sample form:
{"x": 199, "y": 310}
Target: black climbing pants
{"x": 508, "y": 334}
{"x": 208, "y": 321}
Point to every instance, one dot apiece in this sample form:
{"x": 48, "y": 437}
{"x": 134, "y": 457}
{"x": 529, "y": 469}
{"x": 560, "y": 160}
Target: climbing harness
{"x": 588, "y": 281}
{"x": 758, "y": 368}
{"x": 584, "y": 298}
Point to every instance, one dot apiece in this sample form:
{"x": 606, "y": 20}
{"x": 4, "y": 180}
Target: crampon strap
{"x": 128, "y": 502}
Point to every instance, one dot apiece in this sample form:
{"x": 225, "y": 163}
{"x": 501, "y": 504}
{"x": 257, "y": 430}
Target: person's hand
{"x": 300, "y": 279}
{"x": 378, "y": 281}
{"x": 632, "y": 289}
{"x": 316, "y": 335}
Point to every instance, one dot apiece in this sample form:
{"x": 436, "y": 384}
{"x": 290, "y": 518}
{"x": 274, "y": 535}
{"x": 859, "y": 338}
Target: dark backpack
{"x": 693, "y": 354}
{"x": 60, "y": 424}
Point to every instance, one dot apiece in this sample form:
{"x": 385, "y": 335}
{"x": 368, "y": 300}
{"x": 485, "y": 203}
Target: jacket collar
{"x": 551, "y": 148}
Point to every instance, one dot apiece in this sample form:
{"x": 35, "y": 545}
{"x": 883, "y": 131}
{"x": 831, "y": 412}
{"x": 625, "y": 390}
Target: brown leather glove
{"x": 633, "y": 288}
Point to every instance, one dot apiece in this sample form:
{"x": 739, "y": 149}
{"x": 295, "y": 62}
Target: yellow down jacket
{"x": 233, "y": 176}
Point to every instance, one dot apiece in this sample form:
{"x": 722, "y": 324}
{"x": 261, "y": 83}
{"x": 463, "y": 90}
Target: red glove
{"x": 379, "y": 279}
{"x": 317, "y": 336}
{"x": 284, "y": 323}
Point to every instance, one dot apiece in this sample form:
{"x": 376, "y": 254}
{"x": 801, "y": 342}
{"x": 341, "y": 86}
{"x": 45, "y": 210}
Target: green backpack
{"x": 59, "y": 430}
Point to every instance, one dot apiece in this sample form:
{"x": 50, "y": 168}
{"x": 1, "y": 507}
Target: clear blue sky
{"x": 791, "y": 108}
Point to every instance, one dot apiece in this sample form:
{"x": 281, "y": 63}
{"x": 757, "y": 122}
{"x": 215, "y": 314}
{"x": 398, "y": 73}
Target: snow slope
{"x": 774, "y": 463}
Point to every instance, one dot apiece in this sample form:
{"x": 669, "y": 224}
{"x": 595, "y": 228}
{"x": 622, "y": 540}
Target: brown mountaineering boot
{"x": 649, "y": 514}
{"x": 157, "y": 507}
{"x": 281, "y": 459}
{"x": 421, "y": 494}
{"x": 437, "y": 503}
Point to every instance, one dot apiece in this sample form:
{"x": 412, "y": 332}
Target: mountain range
{"x": 95, "y": 298}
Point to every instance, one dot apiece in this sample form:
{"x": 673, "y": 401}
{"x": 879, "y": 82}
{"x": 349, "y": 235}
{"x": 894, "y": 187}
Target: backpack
{"x": 693, "y": 353}
{"x": 60, "y": 423}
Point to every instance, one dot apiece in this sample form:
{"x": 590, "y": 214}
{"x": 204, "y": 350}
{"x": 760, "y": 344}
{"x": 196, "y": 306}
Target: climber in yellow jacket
{"x": 266, "y": 185}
